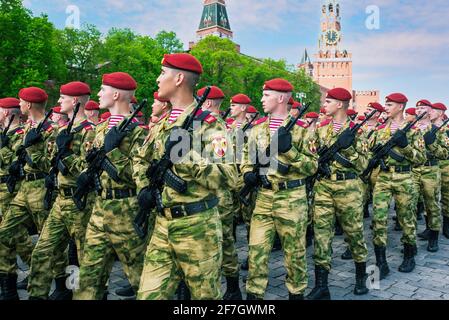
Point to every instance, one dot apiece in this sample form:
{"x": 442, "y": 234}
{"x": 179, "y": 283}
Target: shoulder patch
{"x": 261, "y": 120}
{"x": 324, "y": 123}
{"x": 210, "y": 119}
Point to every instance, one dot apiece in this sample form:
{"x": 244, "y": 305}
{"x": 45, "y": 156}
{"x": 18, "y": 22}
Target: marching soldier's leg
{"x": 290, "y": 219}
{"x": 247, "y": 212}
{"x": 382, "y": 195}
{"x": 130, "y": 248}
{"x": 445, "y": 198}
{"x": 432, "y": 181}
{"x": 323, "y": 226}
{"x": 405, "y": 197}
{"x": 97, "y": 256}
{"x": 349, "y": 210}
{"x": 261, "y": 239}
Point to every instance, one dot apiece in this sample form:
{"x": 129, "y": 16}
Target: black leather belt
{"x": 288, "y": 185}
{"x": 398, "y": 169}
{"x": 189, "y": 209}
{"x": 35, "y": 176}
{"x": 120, "y": 193}
{"x": 343, "y": 176}
{"x": 4, "y": 179}
{"x": 67, "y": 192}
{"x": 431, "y": 163}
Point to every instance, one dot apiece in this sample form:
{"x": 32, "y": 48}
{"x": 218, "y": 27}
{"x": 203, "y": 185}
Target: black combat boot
{"x": 250, "y": 296}
{"x": 408, "y": 265}
{"x": 381, "y": 261}
{"x": 433, "y": 241}
{"x": 277, "y": 245}
{"x": 127, "y": 292}
{"x": 309, "y": 235}
{"x": 347, "y": 255}
{"x": 420, "y": 211}
{"x": 245, "y": 265}
{"x": 8, "y": 285}
{"x": 232, "y": 289}
{"x": 183, "y": 291}
{"x": 61, "y": 292}
{"x": 446, "y": 227}
{"x": 293, "y": 297}
{"x": 338, "y": 228}
{"x": 73, "y": 254}
{"x": 23, "y": 285}
{"x": 360, "y": 279}
{"x": 321, "y": 290}
{"x": 425, "y": 235}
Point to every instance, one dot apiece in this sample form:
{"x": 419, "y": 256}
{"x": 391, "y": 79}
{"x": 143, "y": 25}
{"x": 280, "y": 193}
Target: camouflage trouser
{"x": 428, "y": 184}
{"x": 26, "y": 208}
{"x": 188, "y": 247}
{"x": 284, "y": 212}
{"x": 227, "y": 208}
{"x": 247, "y": 211}
{"x": 64, "y": 222}
{"x": 342, "y": 200}
{"x": 23, "y": 243}
{"x": 401, "y": 187}
{"x": 444, "y": 166}
{"x": 110, "y": 230}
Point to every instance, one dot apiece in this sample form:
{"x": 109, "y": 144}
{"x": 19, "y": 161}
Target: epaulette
{"x": 301, "y": 124}
{"x": 205, "y": 116}
{"x": 86, "y": 125}
{"x": 230, "y": 121}
{"x": 19, "y": 131}
{"x": 324, "y": 123}
{"x": 382, "y": 126}
{"x": 261, "y": 120}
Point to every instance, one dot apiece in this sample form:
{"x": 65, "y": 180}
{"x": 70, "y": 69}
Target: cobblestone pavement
{"x": 430, "y": 279}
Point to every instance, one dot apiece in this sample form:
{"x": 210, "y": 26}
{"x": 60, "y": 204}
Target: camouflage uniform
{"x": 428, "y": 178}
{"x": 187, "y": 246}
{"x": 65, "y": 221}
{"x": 24, "y": 246}
{"x": 397, "y": 182}
{"x": 110, "y": 228}
{"x": 279, "y": 209}
{"x": 28, "y": 205}
{"x": 444, "y": 167}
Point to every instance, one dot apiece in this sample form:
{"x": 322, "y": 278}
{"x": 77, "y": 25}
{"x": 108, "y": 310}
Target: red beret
{"x": 322, "y": 110}
{"x": 156, "y": 96}
{"x": 58, "y": 110}
{"x": 351, "y": 112}
{"x": 251, "y": 109}
{"x": 339, "y": 94}
{"x": 439, "y": 106}
{"x": 241, "y": 99}
{"x": 75, "y": 89}
{"x": 312, "y": 115}
{"x": 140, "y": 114}
{"x": 182, "y": 61}
{"x": 278, "y": 84}
{"x": 376, "y": 106}
{"x": 361, "y": 118}
{"x": 291, "y": 101}
{"x": 105, "y": 116}
{"x": 411, "y": 111}
{"x": 397, "y": 97}
{"x": 92, "y": 105}
{"x": 33, "y": 95}
{"x": 215, "y": 93}
{"x": 120, "y": 80}
{"x": 134, "y": 100}
{"x": 297, "y": 105}
{"x": 9, "y": 103}
{"x": 424, "y": 102}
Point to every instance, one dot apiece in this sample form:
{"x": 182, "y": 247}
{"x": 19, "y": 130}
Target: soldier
{"x": 295, "y": 109}
{"x": 92, "y": 112}
{"x": 105, "y": 117}
{"x": 65, "y": 220}
{"x": 312, "y": 120}
{"x": 239, "y": 105}
{"x": 444, "y": 167}
{"x": 281, "y": 205}
{"x": 59, "y": 117}
{"x": 339, "y": 196}
{"x": 110, "y": 228}
{"x": 428, "y": 175}
{"x": 395, "y": 179}
{"x": 251, "y": 112}
{"x": 410, "y": 114}
{"x": 187, "y": 237}
{"x": 9, "y": 141}
{"x": 27, "y": 207}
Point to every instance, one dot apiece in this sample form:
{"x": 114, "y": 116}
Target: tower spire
{"x": 214, "y": 20}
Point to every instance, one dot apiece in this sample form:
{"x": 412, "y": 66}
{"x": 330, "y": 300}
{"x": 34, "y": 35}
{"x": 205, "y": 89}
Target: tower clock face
{"x": 332, "y": 37}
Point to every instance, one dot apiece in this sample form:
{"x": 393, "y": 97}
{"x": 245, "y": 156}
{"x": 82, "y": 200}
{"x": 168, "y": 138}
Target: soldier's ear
{"x": 116, "y": 95}
{"x": 179, "y": 79}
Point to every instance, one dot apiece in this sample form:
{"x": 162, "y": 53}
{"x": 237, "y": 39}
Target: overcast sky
{"x": 407, "y": 53}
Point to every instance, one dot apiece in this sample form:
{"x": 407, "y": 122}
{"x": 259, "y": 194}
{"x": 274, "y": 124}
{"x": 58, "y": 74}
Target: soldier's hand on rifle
{"x": 49, "y": 183}
{"x": 32, "y": 137}
{"x": 284, "y": 140}
{"x": 145, "y": 198}
{"x": 113, "y": 139}
{"x": 14, "y": 168}
{"x": 63, "y": 140}
{"x": 4, "y": 141}
{"x": 346, "y": 138}
{"x": 430, "y": 138}
{"x": 251, "y": 179}
{"x": 400, "y": 138}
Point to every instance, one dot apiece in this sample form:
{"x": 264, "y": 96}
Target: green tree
{"x": 169, "y": 42}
